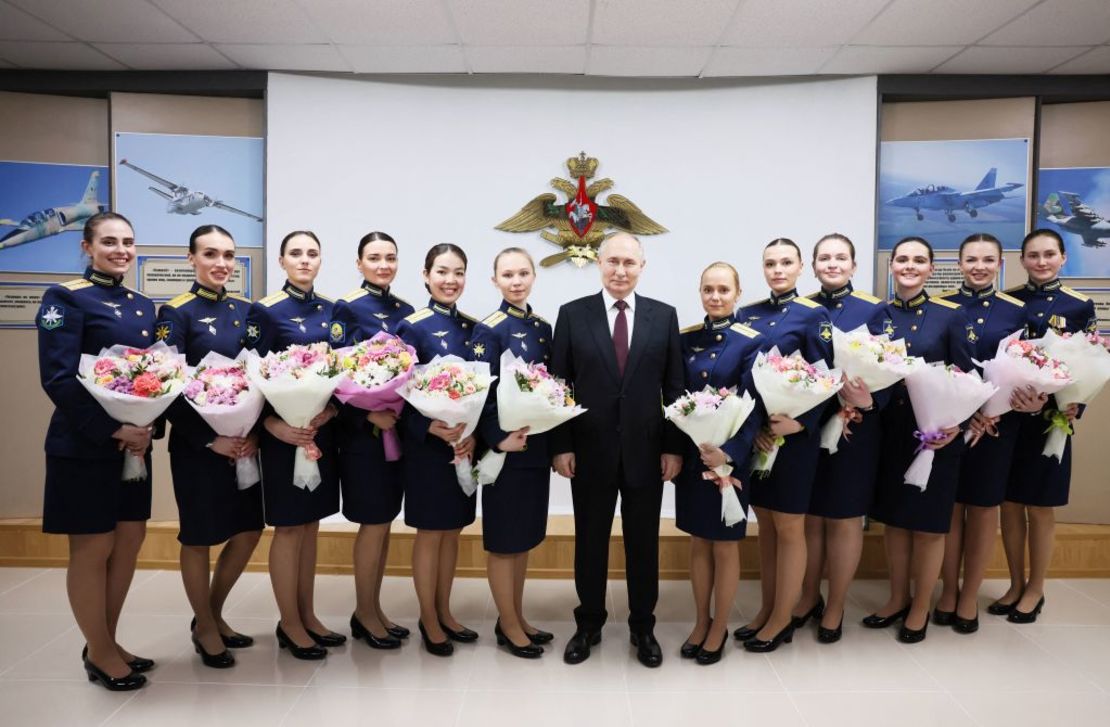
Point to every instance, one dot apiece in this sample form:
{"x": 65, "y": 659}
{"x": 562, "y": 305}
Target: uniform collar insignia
{"x": 203, "y": 292}
{"x": 984, "y": 293}
{"x": 295, "y": 292}
{"x": 442, "y": 309}
{"x": 784, "y": 298}
{"x": 835, "y": 294}
{"x": 711, "y": 325}
{"x": 913, "y": 302}
{"x": 374, "y": 290}
{"x": 1046, "y": 288}
{"x": 507, "y": 307}
{"x": 95, "y": 276}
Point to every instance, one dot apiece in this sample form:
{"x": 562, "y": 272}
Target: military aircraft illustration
{"x": 949, "y": 200}
{"x": 180, "y": 200}
{"x": 53, "y": 220}
{"x": 1082, "y": 221}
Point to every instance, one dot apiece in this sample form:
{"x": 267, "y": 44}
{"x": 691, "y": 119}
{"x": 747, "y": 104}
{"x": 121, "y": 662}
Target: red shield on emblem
{"x": 581, "y": 211}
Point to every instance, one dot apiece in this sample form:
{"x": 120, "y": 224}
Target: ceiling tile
{"x": 939, "y": 22}
{"x": 978, "y": 59}
{"x": 321, "y": 57}
{"x": 405, "y": 59}
{"x": 870, "y": 59}
{"x": 57, "y": 56}
{"x": 660, "y": 22}
{"x": 543, "y": 59}
{"x": 245, "y": 21}
{"x": 382, "y": 22}
{"x": 799, "y": 23}
{"x": 1094, "y": 61}
{"x": 1058, "y": 22}
{"x": 728, "y": 61}
{"x": 521, "y": 22}
{"x": 166, "y": 56}
{"x": 108, "y": 20}
{"x": 18, "y": 25}
{"x": 632, "y": 61}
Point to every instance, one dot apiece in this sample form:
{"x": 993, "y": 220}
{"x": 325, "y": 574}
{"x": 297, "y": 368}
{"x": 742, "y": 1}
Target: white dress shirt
{"x": 611, "y": 312}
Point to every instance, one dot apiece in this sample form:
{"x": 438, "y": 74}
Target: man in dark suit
{"x": 621, "y": 353}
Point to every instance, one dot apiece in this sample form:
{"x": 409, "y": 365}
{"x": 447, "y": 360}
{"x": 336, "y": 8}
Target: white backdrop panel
{"x": 725, "y": 166}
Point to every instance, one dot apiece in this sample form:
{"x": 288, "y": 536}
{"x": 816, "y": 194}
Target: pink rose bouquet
{"x": 376, "y": 371}
{"x": 1088, "y": 361}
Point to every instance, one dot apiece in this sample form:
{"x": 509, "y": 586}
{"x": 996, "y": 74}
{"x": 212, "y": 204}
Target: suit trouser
{"x": 594, "y": 503}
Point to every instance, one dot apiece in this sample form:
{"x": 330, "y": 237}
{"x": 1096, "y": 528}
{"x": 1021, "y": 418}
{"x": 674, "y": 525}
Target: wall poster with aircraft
{"x": 947, "y": 190}
{"x": 170, "y": 184}
{"x": 1075, "y": 202}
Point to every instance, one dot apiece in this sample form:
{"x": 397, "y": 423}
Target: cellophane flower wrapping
{"x": 877, "y": 360}
{"x": 453, "y": 391}
{"x": 1089, "y": 363}
{"x": 298, "y": 382}
{"x": 790, "y": 385}
{"x": 942, "y": 396}
{"x": 528, "y": 396}
{"x": 714, "y": 416}
{"x": 134, "y": 386}
{"x": 1017, "y": 364}
{"x": 221, "y": 393}
{"x": 376, "y": 370}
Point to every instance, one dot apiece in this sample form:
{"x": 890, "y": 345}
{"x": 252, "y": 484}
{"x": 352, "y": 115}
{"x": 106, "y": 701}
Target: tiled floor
{"x": 1056, "y": 671}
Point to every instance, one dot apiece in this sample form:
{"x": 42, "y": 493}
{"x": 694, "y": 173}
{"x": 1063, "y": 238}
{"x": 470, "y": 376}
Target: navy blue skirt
{"x": 985, "y": 468}
{"x": 87, "y": 496}
{"x": 789, "y": 486}
{"x": 287, "y": 505}
{"x": 1036, "y": 480}
{"x": 211, "y": 508}
{"x": 514, "y": 510}
{"x": 697, "y": 503}
{"x": 845, "y": 483}
{"x": 433, "y": 498}
{"x": 372, "y": 489}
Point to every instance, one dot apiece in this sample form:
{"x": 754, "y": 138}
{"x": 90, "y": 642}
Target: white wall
{"x": 725, "y": 166}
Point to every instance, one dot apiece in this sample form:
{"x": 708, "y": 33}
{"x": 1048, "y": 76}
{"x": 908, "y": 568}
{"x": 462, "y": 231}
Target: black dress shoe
{"x": 815, "y": 612}
{"x": 1022, "y": 617}
{"x": 744, "y": 633}
{"x": 531, "y": 651}
{"x": 463, "y": 635}
{"x": 113, "y": 684}
{"x": 222, "y": 660}
{"x": 358, "y": 631}
{"x": 706, "y": 657}
{"x": 648, "y": 650}
{"x": 306, "y": 653}
{"x": 436, "y": 648}
{"x": 965, "y": 625}
{"x": 912, "y": 636}
{"x": 578, "y": 648}
{"x": 234, "y": 641}
{"x": 875, "y": 621}
{"x": 398, "y": 632}
{"x": 138, "y": 664}
{"x": 541, "y": 637}
{"x": 830, "y": 636}
{"x": 763, "y": 646}
{"x": 1001, "y": 609}
{"x": 943, "y": 618}
{"x": 689, "y": 651}
{"x": 329, "y": 639}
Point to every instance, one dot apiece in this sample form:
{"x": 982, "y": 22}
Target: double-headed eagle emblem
{"x": 579, "y": 225}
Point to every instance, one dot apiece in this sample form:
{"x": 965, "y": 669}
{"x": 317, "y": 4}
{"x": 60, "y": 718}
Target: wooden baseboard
{"x": 1082, "y": 551}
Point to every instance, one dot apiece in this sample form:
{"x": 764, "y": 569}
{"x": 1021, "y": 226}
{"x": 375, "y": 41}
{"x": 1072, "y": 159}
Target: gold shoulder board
{"x": 238, "y": 297}
{"x": 77, "y": 284}
{"x": 807, "y": 303}
{"x": 945, "y": 303}
{"x": 1074, "y": 293}
{"x": 277, "y": 297}
{"x": 1009, "y": 299}
{"x": 354, "y": 295}
{"x": 418, "y": 315}
{"x": 946, "y": 293}
{"x": 494, "y": 318}
{"x": 180, "y": 300}
{"x": 691, "y": 329}
{"x": 865, "y": 296}
{"x": 745, "y": 330}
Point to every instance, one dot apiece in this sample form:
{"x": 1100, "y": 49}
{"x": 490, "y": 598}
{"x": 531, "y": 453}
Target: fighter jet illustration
{"x": 947, "y": 199}
{"x": 1082, "y": 221}
{"x": 51, "y": 221}
{"x": 180, "y": 200}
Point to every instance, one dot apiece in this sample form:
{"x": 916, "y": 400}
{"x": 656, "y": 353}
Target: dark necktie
{"x": 620, "y": 336}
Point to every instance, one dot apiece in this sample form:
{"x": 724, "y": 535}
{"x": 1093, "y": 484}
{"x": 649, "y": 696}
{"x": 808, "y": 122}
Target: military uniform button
{"x": 979, "y": 320}
{"x": 720, "y": 337}
{"x": 1040, "y": 315}
{"x": 145, "y": 333}
{"x": 138, "y": 312}
{"x": 536, "y": 324}
{"x": 231, "y": 306}
{"x": 396, "y": 305}
{"x": 319, "y": 306}
{"x": 909, "y": 344}
{"x": 920, "y": 312}
{"x": 772, "y": 323}
{"x": 236, "y": 324}
{"x": 464, "y": 325}
{"x": 705, "y": 374}
{"x": 130, "y": 296}
{"x": 913, "y": 328}
{"x": 323, "y": 324}
{"x": 839, "y": 305}
{"x": 986, "y": 304}
{"x": 1050, "y": 298}
{"x": 712, "y": 355}
{"x": 543, "y": 340}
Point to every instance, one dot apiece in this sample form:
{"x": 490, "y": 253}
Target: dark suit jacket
{"x": 624, "y": 423}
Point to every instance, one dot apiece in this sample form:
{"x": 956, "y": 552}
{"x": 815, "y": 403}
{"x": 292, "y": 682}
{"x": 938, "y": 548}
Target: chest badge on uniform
{"x": 336, "y": 332}
{"x": 520, "y": 337}
{"x": 1058, "y": 323}
{"x": 440, "y": 335}
{"x": 300, "y": 323}
{"x": 383, "y": 317}
{"x": 163, "y": 331}
{"x": 972, "y": 336}
{"x": 52, "y": 318}
{"x": 825, "y": 329}
{"x": 479, "y": 350}
{"x": 253, "y": 333}
{"x": 114, "y": 307}
{"x": 208, "y": 322}
{"x": 888, "y": 327}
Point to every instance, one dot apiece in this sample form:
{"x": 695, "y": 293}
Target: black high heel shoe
{"x": 875, "y": 621}
{"x": 913, "y": 636}
{"x": 234, "y": 641}
{"x": 223, "y": 660}
{"x": 138, "y": 664}
{"x": 965, "y": 625}
{"x": 541, "y": 637}
{"x": 689, "y": 651}
{"x": 306, "y": 653}
{"x": 706, "y": 657}
{"x": 463, "y": 635}
{"x": 531, "y": 651}
{"x": 358, "y": 631}
{"x": 998, "y": 608}
{"x": 398, "y": 632}
{"x": 830, "y": 636}
{"x": 763, "y": 646}
{"x": 815, "y": 612}
{"x": 329, "y": 639}
{"x": 943, "y": 618}
{"x": 113, "y": 684}
{"x": 746, "y": 633}
{"x": 436, "y": 648}
{"x": 1021, "y": 617}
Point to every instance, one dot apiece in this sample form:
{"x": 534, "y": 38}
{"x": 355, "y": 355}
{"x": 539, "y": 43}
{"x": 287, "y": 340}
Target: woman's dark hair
{"x": 307, "y": 233}
{"x": 374, "y": 237}
{"x": 980, "y": 237}
{"x": 835, "y": 236}
{"x": 912, "y": 238}
{"x": 785, "y": 241}
{"x": 95, "y": 221}
{"x": 1043, "y": 232}
{"x": 441, "y": 249}
{"x": 510, "y": 251}
{"x": 205, "y": 230}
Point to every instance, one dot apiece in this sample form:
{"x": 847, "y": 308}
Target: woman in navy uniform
{"x": 211, "y": 507}
{"x": 514, "y": 508}
{"x": 85, "y": 498}
{"x": 1038, "y": 483}
{"x": 296, "y": 315}
{"x": 434, "y": 503}
{"x": 985, "y": 465}
{"x": 371, "y": 486}
{"x": 781, "y": 498}
{"x": 718, "y": 352}
{"x": 845, "y": 481}
{"x": 916, "y": 521}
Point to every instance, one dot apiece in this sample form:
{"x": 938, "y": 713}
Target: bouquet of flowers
{"x": 1088, "y": 361}
{"x": 942, "y": 396}
{"x": 376, "y": 370}
{"x": 220, "y": 392}
{"x": 713, "y": 416}
{"x": 528, "y": 396}
{"x": 298, "y": 383}
{"x": 877, "y": 360}
{"x": 1019, "y": 363}
{"x": 135, "y": 386}
{"x": 792, "y": 386}
{"x": 453, "y": 391}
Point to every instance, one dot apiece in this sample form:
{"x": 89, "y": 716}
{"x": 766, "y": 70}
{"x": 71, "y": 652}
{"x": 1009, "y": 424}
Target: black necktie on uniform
{"x": 620, "y": 336}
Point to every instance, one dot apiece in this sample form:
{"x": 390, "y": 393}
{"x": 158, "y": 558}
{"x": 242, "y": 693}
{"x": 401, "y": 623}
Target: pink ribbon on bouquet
{"x": 722, "y": 482}
{"x": 849, "y": 415}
